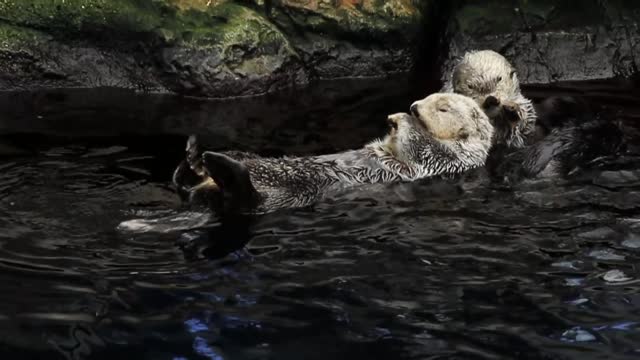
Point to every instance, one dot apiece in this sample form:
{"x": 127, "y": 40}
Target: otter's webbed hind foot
{"x": 189, "y": 174}
{"x": 233, "y": 180}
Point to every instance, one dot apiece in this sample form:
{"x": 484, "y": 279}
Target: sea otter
{"x": 450, "y": 135}
{"x": 489, "y": 79}
{"x": 556, "y": 136}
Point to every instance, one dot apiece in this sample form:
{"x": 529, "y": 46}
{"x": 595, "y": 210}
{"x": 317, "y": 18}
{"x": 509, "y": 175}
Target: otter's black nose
{"x": 490, "y": 102}
{"x": 414, "y": 109}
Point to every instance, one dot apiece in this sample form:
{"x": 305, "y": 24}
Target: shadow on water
{"x": 428, "y": 270}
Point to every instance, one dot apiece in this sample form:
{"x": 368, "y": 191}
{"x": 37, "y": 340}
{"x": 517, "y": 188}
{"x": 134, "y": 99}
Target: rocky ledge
{"x": 551, "y": 40}
{"x": 210, "y": 48}
{"x": 226, "y": 48}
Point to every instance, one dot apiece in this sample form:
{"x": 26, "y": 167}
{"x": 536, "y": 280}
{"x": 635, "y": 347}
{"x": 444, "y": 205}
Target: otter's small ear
{"x": 513, "y": 74}
{"x": 463, "y": 134}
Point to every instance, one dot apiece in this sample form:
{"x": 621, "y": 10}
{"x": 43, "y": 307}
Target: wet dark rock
{"x": 551, "y": 41}
{"x": 209, "y": 48}
{"x": 352, "y": 38}
{"x": 226, "y": 48}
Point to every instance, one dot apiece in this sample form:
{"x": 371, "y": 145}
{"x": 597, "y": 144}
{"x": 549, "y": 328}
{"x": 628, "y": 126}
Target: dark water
{"x": 428, "y": 270}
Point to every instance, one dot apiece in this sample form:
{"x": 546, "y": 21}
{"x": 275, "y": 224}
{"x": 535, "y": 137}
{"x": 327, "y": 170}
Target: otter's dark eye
{"x": 442, "y": 110}
{"x": 499, "y": 79}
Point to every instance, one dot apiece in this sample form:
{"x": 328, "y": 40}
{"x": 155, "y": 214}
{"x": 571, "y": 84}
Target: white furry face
{"x": 491, "y": 81}
{"x": 485, "y": 73}
{"x": 440, "y": 121}
{"x": 452, "y": 117}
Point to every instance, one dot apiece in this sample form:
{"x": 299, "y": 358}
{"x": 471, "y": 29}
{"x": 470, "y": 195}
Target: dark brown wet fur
{"x": 570, "y": 135}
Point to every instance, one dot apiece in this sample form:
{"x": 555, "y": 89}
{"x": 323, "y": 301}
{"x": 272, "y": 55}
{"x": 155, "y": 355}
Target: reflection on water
{"x": 433, "y": 269}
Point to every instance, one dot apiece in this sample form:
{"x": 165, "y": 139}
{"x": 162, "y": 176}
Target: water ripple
{"x": 98, "y": 257}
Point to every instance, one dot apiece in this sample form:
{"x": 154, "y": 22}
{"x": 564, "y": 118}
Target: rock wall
{"x": 225, "y": 48}
{"x": 551, "y": 40}
{"x": 210, "y": 48}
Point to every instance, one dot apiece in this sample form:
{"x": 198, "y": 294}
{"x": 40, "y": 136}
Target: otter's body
{"x": 451, "y": 135}
{"x": 301, "y": 181}
{"x": 573, "y": 138}
{"x": 289, "y": 182}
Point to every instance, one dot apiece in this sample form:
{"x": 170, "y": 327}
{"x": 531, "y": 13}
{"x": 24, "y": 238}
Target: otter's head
{"x": 486, "y": 77}
{"x": 446, "y": 130}
{"x": 492, "y": 82}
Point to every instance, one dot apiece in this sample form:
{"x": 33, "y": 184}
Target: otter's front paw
{"x": 511, "y": 112}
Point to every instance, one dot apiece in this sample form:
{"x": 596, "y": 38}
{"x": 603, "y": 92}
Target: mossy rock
{"x": 351, "y": 38}
{"x": 232, "y": 56}
{"x": 83, "y": 15}
{"x": 195, "y": 47}
{"x": 213, "y": 48}
{"x": 354, "y": 19}
{"x": 194, "y": 21}
{"x": 15, "y": 38}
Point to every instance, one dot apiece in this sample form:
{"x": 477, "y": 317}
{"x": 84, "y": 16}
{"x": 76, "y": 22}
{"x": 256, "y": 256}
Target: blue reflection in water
{"x": 196, "y": 325}
{"x": 624, "y": 326}
{"x": 201, "y": 347}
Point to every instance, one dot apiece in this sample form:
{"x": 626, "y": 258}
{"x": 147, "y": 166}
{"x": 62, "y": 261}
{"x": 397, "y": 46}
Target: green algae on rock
{"x": 74, "y": 16}
{"x": 244, "y": 54}
{"x": 210, "y": 48}
{"x": 351, "y": 38}
{"x": 224, "y": 48}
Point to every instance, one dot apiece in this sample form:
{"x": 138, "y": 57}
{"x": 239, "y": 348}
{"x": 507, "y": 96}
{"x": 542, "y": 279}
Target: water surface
{"x": 428, "y": 270}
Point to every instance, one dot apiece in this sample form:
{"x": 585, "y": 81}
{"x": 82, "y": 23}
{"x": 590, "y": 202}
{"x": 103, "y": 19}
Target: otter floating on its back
{"x": 450, "y": 135}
